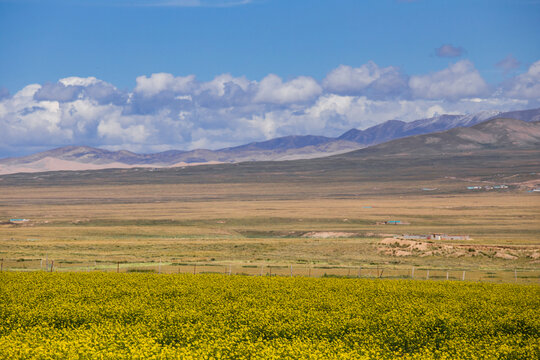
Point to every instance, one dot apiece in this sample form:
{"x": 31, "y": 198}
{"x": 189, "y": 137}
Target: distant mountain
{"x": 496, "y": 134}
{"x": 89, "y": 158}
{"x": 283, "y": 148}
{"x": 395, "y": 129}
{"x": 283, "y": 143}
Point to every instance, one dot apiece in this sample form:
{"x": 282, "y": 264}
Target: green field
{"x": 150, "y": 316}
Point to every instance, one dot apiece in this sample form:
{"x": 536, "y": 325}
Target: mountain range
{"x": 496, "y": 134}
{"x": 302, "y": 147}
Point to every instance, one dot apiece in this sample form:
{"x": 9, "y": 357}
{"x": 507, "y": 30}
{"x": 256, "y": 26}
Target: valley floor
{"x": 246, "y": 226}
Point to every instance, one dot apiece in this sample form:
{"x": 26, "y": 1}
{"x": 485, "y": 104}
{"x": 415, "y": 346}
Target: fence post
{"x": 118, "y": 266}
{"x": 515, "y": 275}
{"x": 427, "y": 275}
{"x": 359, "y": 271}
{"x": 412, "y": 273}
{"x": 291, "y": 269}
{"x": 159, "y": 266}
{"x": 194, "y": 269}
{"x": 309, "y": 271}
{"x": 230, "y": 270}
{"x": 463, "y": 278}
{"x": 52, "y": 265}
{"x": 262, "y": 266}
{"x": 2, "y": 265}
{"x": 41, "y": 264}
{"x": 447, "y": 275}
{"x": 270, "y": 270}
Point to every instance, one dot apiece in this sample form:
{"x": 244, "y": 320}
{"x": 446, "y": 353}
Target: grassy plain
{"x": 277, "y": 213}
{"x": 261, "y": 222}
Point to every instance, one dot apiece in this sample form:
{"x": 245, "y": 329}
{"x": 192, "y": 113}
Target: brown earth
{"x": 401, "y": 247}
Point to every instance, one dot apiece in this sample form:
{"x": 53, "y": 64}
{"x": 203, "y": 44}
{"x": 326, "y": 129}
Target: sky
{"x": 151, "y": 76}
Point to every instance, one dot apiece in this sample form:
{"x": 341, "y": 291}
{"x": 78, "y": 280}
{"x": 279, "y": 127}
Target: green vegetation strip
{"x": 125, "y": 316}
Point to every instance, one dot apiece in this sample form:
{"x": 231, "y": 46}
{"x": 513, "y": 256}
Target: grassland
{"x": 262, "y": 223}
{"x": 150, "y": 316}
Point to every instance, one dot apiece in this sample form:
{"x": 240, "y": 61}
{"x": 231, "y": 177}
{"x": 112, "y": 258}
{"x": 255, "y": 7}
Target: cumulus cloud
{"x": 459, "y": 80}
{"x": 449, "y": 51}
{"x": 527, "y": 85}
{"x": 70, "y": 89}
{"x": 273, "y": 90}
{"x": 368, "y": 79}
{"x": 156, "y": 83}
{"x": 165, "y": 111}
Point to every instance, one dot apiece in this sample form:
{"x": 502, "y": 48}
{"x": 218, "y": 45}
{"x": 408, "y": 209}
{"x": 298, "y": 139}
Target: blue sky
{"x": 297, "y": 67}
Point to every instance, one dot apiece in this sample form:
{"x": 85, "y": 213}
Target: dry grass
{"x": 257, "y": 222}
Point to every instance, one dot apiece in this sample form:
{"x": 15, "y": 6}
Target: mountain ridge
{"x": 493, "y": 134}
{"x": 283, "y": 148}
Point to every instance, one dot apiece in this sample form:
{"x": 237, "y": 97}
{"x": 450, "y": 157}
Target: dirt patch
{"x": 402, "y": 247}
{"x": 328, "y": 234}
{"x": 505, "y": 256}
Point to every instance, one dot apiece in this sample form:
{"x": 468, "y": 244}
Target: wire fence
{"x": 518, "y": 275}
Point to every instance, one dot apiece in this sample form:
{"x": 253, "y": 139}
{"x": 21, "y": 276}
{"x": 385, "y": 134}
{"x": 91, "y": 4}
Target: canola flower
{"x": 151, "y": 316}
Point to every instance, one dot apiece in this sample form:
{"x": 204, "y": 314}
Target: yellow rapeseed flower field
{"x": 152, "y": 316}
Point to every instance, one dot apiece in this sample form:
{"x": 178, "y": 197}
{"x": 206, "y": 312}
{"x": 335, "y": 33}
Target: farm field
{"x": 116, "y": 316}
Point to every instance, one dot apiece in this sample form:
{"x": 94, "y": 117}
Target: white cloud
{"x": 118, "y": 129}
{"x": 78, "y": 81}
{"x": 156, "y": 83}
{"x": 273, "y": 90}
{"x": 459, "y": 80}
{"x": 368, "y": 78}
{"x": 165, "y": 111}
{"x": 218, "y": 85}
{"x": 527, "y": 85}
{"x": 27, "y": 92}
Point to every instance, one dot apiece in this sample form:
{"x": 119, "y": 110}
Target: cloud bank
{"x": 164, "y": 111}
